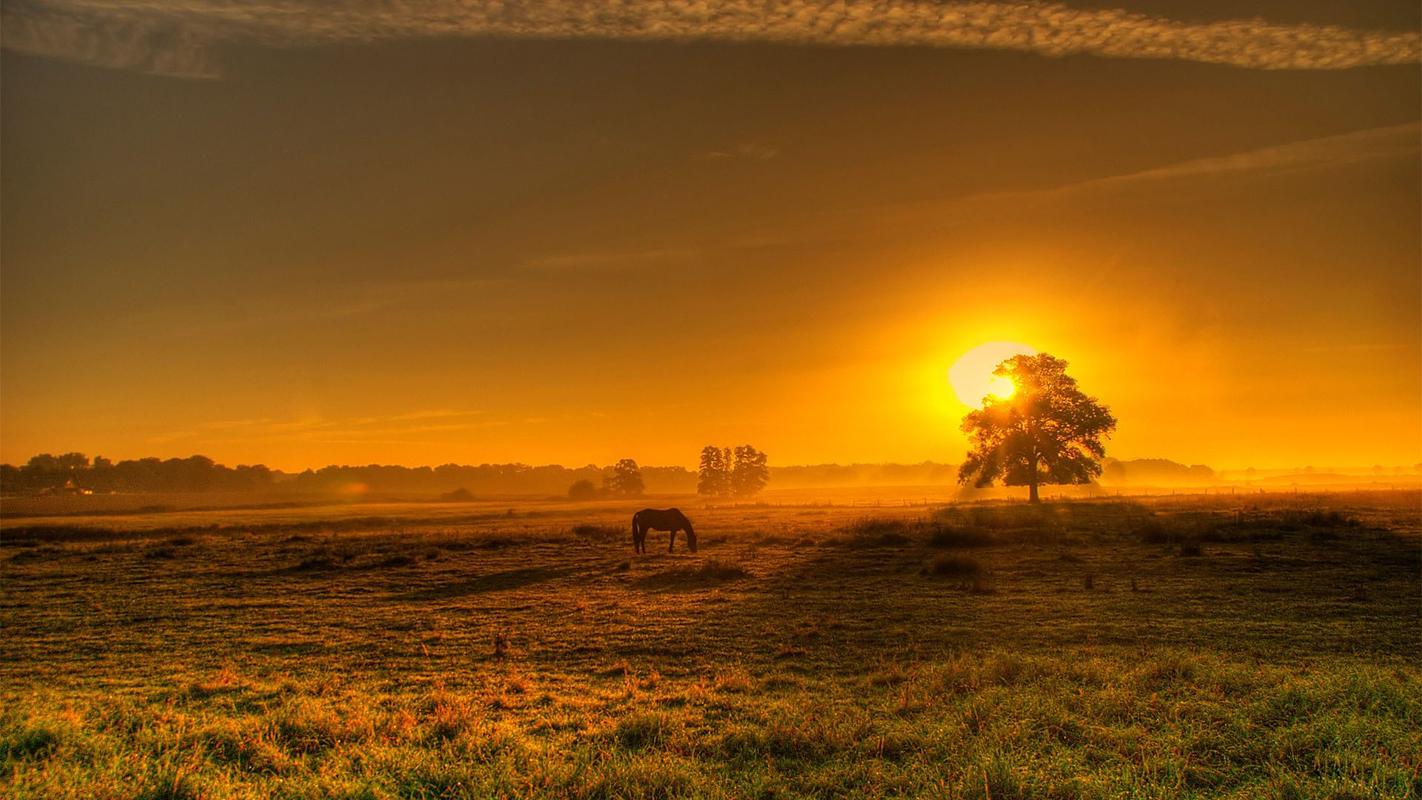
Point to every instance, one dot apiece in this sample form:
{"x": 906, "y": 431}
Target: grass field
{"x": 1260, "y": 646}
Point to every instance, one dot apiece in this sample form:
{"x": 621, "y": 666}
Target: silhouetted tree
{"x": 750, "y": 473}
{"x": 713, "y": 477}
{"x": 582, "y": 490}
{"x": 1048, "y": 431}
{"x": 625, "y": 479}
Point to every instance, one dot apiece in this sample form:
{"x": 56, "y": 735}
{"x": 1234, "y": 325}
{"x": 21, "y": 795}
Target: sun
{"x": 971, "y": 375}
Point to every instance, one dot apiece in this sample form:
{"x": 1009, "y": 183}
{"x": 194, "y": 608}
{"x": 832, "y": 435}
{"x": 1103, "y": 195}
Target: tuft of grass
{"x": 28, "y": 742}
{"x": 877, "y": 532}
{"x": 599, "y": 533}
{"x": 643, "y": 729}
{"x": 953, "y": 566}
{"x": 709, "y": 572}
{"x": 316, "y": 564}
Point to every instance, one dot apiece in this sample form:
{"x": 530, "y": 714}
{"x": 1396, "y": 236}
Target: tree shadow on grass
{"x": 686, "y": 578}
{"x": 491, "y": 582}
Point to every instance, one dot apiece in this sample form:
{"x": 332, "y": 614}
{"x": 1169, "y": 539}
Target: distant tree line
{"x": 623, "y": 479}
{"x": 715, "y": 477}
{"x": 76, "y": 472}
{"x": 1156, "y": 470}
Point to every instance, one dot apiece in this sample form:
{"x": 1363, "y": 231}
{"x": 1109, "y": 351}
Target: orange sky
{"x": 381, "y": 247}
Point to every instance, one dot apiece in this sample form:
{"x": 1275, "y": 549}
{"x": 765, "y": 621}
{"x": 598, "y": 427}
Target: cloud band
{"x": 180, "y": 37}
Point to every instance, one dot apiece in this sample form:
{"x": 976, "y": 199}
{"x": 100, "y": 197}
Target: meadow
{"x": 1226, "y": 646}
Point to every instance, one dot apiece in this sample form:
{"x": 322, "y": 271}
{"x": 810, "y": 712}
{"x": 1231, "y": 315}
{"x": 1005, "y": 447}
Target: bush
{"x": 1152, "y": 532}
{"x": 960, "y": 537}
{"x": 872, "y": 532}
{"x": 1323, "y": 519}
{"x": 582, "y": 490}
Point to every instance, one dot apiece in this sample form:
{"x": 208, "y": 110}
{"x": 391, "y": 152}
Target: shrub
{"x": 582, "y": 490}
{"x": 960, "y": 537}
{"x": 1152, "y": 532}
{"x": 873, "y": 532}
{"x": 1324, "y": 519}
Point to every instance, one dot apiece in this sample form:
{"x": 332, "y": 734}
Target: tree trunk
{"x": 1032, "y": 497}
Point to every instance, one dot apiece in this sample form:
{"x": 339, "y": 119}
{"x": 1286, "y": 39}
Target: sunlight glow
{"x": 971, "y": 375}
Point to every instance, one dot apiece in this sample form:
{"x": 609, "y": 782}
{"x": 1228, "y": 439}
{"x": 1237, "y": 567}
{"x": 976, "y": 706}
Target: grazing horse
{"x": 661, "y": 519}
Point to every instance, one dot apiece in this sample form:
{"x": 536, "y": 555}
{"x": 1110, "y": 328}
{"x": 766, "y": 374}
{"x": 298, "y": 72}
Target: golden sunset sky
{"x": 444, "y": 232}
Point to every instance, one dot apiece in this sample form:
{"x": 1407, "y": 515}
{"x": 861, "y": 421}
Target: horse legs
{"x": 671, "y": 544}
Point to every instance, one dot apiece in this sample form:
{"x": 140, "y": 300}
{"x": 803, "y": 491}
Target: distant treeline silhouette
{"x": 75, "y": 472}
{"x": 1147, "y": 471}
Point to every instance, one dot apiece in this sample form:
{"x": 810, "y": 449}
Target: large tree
{"x": 624, "y": 478}
{"x": 750, "y": 473}
{"x": 1047, "y": 431}
{"x": 713, "y": 476}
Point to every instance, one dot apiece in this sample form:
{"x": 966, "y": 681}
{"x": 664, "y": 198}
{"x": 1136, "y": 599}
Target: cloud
{"x": 747, "y": 152}
{"x": 184, "y": 37}
{"x": 611, "y": 261}
{"x": 1348, "y": 148}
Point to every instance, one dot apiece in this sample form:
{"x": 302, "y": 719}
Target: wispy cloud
{"x": 611, "y": 260}
{"x": 183, "y": 37}
{"x": 748, "y": 152}
{"x": 1348, "y": 148}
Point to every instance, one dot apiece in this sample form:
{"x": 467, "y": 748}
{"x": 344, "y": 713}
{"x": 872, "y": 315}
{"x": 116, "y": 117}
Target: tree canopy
{"x": 624, "y": 479}
{"x": 724, "y": 472}
{"x": 1047, "y": 431}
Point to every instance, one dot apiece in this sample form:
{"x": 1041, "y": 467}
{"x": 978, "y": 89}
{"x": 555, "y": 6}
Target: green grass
{"x": 995, "y": 651}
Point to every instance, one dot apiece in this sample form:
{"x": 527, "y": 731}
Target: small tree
{"x": 624, "y": 480}
{"x": 713, "y": 476}
{"x": 1047, "y": 431}
{"x": 750, "y": 473}
{"x": 582, "y": 490}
